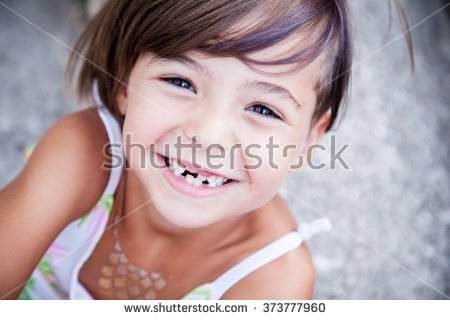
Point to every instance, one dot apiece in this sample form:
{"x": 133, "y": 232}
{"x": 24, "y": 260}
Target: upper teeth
{"x": 213, "y": 181}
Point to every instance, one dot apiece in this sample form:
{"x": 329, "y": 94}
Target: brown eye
{"x": 264, "y": 111}
{"x": 180, "y": 82}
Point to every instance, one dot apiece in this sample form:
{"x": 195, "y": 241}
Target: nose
{"x": 210, "y": 126}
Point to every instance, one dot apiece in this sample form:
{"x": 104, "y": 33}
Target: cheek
{"x": 140, "y": 131}
{"x": 264, "y": 183}
{"x": 272, "y": 152}
{"x": 271, "y": 160}
{"x": 148, "y": 116}
{"x": 267, "y": 166}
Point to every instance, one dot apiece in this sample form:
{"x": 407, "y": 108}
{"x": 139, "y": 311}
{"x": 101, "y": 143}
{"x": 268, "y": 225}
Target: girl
{"x": 121, "y": 200}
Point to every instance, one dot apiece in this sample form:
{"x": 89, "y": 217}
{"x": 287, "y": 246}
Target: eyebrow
{"x": 274, "y": 89}
{"x": 185, "y": 60}
{"x": 261, "y": 85}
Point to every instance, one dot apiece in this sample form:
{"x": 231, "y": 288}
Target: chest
{"x": 109, "y": 274}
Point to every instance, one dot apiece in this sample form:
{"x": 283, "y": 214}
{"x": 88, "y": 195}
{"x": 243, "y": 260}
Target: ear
{"x": 122, "y": 99}
{"x": 314, "y": 136}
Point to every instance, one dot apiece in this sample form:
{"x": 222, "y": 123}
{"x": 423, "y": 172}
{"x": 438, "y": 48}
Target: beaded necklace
{"x": 121, "y": 279}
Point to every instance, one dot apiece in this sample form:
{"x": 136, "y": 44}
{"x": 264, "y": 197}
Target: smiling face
{"x": 219, "y": 100}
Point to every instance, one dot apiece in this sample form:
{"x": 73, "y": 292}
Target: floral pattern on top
{"x": 91, "y": 225}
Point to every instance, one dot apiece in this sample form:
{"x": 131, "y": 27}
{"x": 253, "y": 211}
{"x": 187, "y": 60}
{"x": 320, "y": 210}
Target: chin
{"x": 187, "y": 218}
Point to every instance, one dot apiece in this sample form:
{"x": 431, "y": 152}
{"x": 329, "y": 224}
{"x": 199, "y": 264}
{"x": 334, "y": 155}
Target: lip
{"x": 185, "y": 188}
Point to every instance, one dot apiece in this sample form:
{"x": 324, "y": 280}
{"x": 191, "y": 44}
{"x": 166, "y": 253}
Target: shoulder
{"x": 61, "y": 181}
{"x": 289, "y": 277}
{"x": 66, "y": 163}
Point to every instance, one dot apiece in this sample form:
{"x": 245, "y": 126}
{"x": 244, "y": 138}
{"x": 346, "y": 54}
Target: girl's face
{"x": 242, "y": 120}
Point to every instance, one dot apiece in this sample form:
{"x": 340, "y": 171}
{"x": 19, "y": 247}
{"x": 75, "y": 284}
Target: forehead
{"x": 300, "y": 77}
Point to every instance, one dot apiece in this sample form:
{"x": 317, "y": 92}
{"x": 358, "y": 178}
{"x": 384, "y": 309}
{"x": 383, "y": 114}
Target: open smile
{"x": 194, "y": 181}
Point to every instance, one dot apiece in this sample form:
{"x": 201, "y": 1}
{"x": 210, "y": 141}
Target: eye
{"x": 264, "y": 111}
{"x": 179, "y": 82}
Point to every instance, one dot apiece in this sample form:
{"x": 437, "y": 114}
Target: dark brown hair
{"x": 124, "y": 29}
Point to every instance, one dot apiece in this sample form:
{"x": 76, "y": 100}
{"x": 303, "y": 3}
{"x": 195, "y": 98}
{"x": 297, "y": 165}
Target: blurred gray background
{"x": 390, "y": 210}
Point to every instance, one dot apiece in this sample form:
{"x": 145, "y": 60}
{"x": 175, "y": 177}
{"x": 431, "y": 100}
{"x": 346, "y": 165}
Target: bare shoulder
{"x": 61, "y": 181}
{"x": 67, "y": 162}
{"x": 289, "y": 277}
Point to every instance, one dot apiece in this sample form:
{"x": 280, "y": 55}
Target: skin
{"x": 33, "y": 210}
{"x": 185, "y": 113}
{"x": 245, "y": 218}
{"x": 200, "y": 109}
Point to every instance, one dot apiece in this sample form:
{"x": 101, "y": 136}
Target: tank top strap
{"x": 267, "y": 254}
{"x": 114, "y": 132}
{"x": 90, "y": 237}
{"x": 309, "y": 229}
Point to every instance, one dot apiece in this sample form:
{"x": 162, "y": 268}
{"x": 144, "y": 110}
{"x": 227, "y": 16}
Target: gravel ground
{"x": 390, "y": 209}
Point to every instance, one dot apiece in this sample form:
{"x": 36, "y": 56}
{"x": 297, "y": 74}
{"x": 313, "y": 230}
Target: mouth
{"x": 193, "y": 181}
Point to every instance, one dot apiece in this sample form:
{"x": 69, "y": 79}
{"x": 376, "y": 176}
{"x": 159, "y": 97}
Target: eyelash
{"x": 176, "y": 81}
